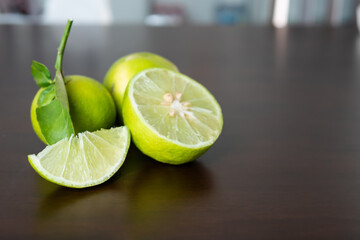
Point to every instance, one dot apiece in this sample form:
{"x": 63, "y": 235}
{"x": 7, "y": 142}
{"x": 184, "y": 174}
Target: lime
{"x": 172, "y": 118}
{"x": 91, "y": 105}
{"x": 128, "y": 66}
{"x": 85, "y": 160}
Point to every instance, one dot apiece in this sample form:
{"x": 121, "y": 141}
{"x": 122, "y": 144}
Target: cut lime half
{"x": 172, "y": 118}
{"x": 85, "y": 160}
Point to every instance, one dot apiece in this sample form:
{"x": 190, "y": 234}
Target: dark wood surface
{"x": 286, "y": 166}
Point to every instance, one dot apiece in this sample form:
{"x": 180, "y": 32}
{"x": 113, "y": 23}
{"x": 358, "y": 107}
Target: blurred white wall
{"x": 82, "y": 11}
{"x": 129, "y": 11}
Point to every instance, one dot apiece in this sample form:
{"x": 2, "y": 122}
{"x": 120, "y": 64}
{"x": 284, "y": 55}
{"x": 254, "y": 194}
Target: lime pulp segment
{"x": 84, "y": 160}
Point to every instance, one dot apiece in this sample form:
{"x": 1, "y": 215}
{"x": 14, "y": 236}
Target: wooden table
{"x": 286, "y": 166}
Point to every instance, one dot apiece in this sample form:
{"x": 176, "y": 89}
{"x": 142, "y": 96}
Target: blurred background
{"x": 279, "y": 13}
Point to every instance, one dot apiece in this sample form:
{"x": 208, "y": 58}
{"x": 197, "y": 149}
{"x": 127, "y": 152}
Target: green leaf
{"x": 60, "y": 90}
{"x": 54, "y": 121}
{"x": 53, "y": 112}
{"x": 41, "y": 74}
{"x": 46, "y": 96}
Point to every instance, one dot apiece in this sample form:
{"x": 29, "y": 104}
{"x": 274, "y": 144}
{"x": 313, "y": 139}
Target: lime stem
{"x": 61, "y": 49}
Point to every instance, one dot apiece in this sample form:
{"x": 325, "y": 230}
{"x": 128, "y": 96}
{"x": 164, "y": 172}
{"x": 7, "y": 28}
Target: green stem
{"x": 60, "y": 53}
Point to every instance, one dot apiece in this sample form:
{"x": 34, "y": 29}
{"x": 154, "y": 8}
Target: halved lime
{"x": 172, "y": 118}
{"x": 85, "y": 160}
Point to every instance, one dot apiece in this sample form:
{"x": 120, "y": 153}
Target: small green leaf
{"x": 41, "y": 74}
{"x": 46, "y": 96}
{"x": 54, "y": 121}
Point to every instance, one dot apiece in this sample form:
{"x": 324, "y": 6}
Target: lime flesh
{"x": 85, "y": 160}
{"x": 172, "y": 118}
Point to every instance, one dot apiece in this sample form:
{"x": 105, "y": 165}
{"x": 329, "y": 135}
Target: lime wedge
{"x": 85, "y": 160}
{"x": 172, "y": 118}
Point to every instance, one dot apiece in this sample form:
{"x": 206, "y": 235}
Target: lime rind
{"x": 34, "y": 161}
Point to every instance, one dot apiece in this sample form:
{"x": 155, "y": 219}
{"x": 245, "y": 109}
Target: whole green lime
{"x": 120, "y": 73}
{"x": 91, "y": 105}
